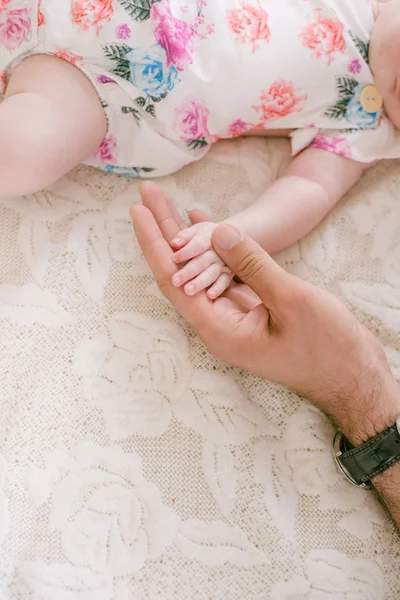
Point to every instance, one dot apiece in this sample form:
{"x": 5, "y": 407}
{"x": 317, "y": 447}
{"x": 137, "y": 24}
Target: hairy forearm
{"x": 387, "y": 410}
{"x": 374, "y": 406}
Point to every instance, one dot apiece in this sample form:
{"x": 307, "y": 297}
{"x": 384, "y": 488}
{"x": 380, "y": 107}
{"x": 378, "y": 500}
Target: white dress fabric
{"x": 174, "y": 76}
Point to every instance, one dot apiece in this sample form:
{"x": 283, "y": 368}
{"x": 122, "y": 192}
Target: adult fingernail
{"x": 225, "y": 237}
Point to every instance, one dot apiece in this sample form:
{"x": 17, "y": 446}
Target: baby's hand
{"x": 204, "y": 268}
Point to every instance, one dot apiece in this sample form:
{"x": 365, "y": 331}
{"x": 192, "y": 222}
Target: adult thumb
{"x": 251, "y": 264}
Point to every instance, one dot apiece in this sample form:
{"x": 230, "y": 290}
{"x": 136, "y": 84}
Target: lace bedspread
{"x": 133, "y": 465}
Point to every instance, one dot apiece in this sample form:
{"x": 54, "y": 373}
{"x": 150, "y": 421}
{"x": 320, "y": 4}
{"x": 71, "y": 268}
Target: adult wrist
{"x": 370, "y": 411}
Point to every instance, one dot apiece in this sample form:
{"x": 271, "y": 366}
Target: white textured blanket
{"x": 133, "y": 465}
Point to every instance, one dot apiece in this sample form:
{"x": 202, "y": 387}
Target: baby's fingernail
{"x": 189, "y": 289}
{"x": 225, "y": 237}
{"x": 176, "y": 280}
{"x": 176, "y": 241}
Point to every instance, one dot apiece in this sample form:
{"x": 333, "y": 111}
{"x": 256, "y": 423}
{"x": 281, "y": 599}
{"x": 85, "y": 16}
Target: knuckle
{"x": 215, "y": 270}
{"x": 204, "y": 262}
{"x": 250, "y": 266}
{"x": 164, "y": 287}
{"x": 191, "y": 268}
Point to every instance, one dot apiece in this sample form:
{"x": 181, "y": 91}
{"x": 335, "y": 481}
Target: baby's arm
{"x": 293, "y": 206}
{"x": 297, "y": 202}
{"x": 50, "y": 120}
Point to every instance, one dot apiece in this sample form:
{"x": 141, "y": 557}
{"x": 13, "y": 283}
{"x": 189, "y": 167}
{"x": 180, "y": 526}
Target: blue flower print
{"x": 348, "y": 107}
{"x": 357, "y": 116}
{"x": 136, "y": 172}
{"x": 149, "y": 71}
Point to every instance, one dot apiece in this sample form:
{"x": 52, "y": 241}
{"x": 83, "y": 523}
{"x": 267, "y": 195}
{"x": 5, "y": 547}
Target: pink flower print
{"x": 238, "y": 128}
{"x": 191, "y": 120}
{"x": 4, "y": 4}
{"x": 174, "y": 35}
{"x": 324, "y": 37}
{"x": 123, "y": 32}
{"x": 91, "y": 13}
{"x": 74, "y": 59}
{"x": 107, "y": 152}
{"x": 354, "y": 66}
{"x": 14, "y": 27}
{"x": 279, "y": 101}
{"x": 41, "y": 19}
{"x": 337, "y": 144}
{"x": 104, "y": 79}
{"x": 250, "y": 23}
{"x": 3, "y": 82}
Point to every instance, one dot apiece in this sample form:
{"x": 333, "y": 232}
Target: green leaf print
{"x": 129, "y": 110}
{"x": 147, "y": 170}
{"x": 118, "y": 53}
{"x": 346, "y": 87}
{"x": 159, "y": 98}
{"x": 151, "y": 110}
{"x": 138, "y": 9}
{"x": 140, "y": 101}
{"x": 197, "y": 144}
{"x": 362, "y": 47}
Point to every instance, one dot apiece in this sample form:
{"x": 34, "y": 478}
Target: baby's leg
{"x": 50, "y": 121}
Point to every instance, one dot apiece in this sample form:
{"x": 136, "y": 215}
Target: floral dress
{"x": 174, "y": 76}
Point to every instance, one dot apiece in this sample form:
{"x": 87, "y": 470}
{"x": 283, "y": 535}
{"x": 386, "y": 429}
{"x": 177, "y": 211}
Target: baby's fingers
{"x": 194, "y": 268}
{"x": 197, "y": 245}
{"x": 183, "y": 237}
{"x": 204, "y": 280}
{"x": 219, "y": 287}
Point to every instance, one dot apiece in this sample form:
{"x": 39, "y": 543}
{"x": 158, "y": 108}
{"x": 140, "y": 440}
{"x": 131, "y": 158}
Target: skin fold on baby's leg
{"x": 50, "y": 121}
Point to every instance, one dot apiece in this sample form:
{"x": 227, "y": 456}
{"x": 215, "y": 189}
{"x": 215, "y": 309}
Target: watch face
{"x": 339, "y": 447}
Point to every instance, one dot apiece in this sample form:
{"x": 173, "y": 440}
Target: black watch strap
{"x": 363, "y": 463}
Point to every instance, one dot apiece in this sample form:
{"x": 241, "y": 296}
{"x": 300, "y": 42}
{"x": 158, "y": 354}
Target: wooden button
{"x": 370, "y": 99}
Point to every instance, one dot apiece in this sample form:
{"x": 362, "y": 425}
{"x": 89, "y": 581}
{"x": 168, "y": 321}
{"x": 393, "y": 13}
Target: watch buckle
{"x": 338, "y": 450}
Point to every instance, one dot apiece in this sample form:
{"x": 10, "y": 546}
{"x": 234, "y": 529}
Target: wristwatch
{"x": 362, "y": 463}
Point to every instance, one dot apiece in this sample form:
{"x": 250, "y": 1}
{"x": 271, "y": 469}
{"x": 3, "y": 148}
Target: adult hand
{"x": 287, "y": 330}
